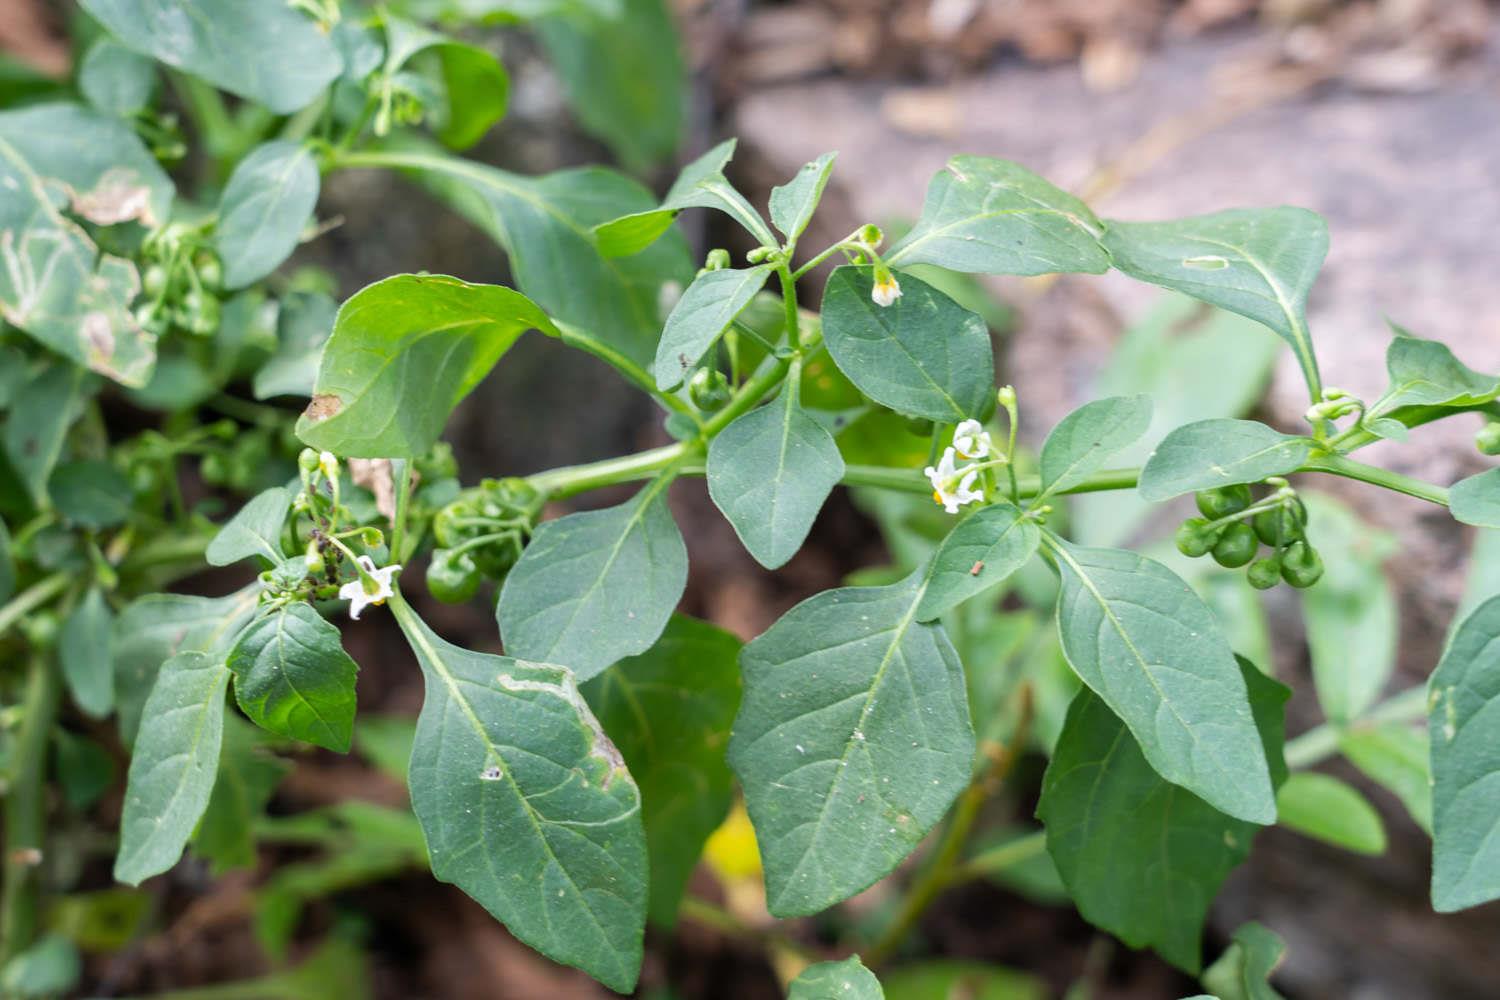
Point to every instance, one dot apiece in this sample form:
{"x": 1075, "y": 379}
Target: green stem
{"x": 31, "y": 598}
{"x": 1348, "y": 468}
{"x": 700, "y": 911}
{"x": 573, "y": 479}
{"x": 25, "y": 810}
{"x": 1321, "y": 742}
{"x": 1002, "y": 858}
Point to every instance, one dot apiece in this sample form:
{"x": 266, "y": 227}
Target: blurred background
{"x": 1382, "y": 115}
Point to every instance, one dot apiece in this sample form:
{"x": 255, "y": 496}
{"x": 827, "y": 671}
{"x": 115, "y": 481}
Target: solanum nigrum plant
{"x": 570, "y": 784}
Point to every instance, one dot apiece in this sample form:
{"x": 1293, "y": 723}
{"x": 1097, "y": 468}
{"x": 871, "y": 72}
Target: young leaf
{"x": 527, "y": 805}
{"x": 769, "y": 472}
{"x": 1124, "y": 839}
{"x": 267, "y": 202}
{"x": 1476, "y": 500}
{"x": 1425, "y": 373}
{"x": 292, "y": 677}
{"x": 1351, "y": 615}
{"x": 1324, "y": 808}
{"x": 955, "y": 979}
{"x": 1243, "y": 972}
{"x": 668, "y": 711}
{"x": 116, "y": 80}
{"x": 84, "y": 647}
{"x": 58, "y": 287}
{"x": 545, "y": 225}
{"x": 248, "y": 775}
{"x": 1464, "y": 725}
{"x": 475, "y": 85}
{"x": 923, "y": 356}
{"x": 986, "y": 547}
{"x": 996, "y": 217}
{"x": 37, "y": 424}
{"x": 1260, "y": 263}
{"x": 403, "y": 353}
{"x": 701, "y": 316}
{"x": 623, "y": 67}
{"x": 793, "y": 203}
{"x": 254, "y": 531}
{"x": 1150, "y": 647}
{"x": 596, "y": 586}
{"x": 269, "y": 53}
{"x": 1085, "y": 439}
{"x": 154, "y": 628}
{"x": 1395, "y": 757}
{"x": 852, "y": 741}
{"x": 1212, "y": 453}
{"x": 701, "y": 184}
{"x": 173, "y": 766}
{"x": 303, "y": 325}
{"x": 846, "y": 980}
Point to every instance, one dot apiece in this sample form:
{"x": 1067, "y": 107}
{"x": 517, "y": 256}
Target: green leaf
{"x": 173, "y": 766}
{"x": 156, "y": 627}
{"x": 263, "y": 210}
{"x": 248, "y": 775}
{"x": 924, "y": 355}
{"x": 769, "y": 472}
{"x": 1260, "y": 263}
{"x": 1476, "y": 500}
{"x": 49, "y": 967}
{"x": 269, "y": 53}
{"x": 1425, "y": 373}
{"x": 1327, "y": 809}
{"x": 303, "y": 325}
{"x": 793, "y": 203}
{"x": 385, "y": 741}
{"x": 1212, "y": 453}
{"x": 996, "y": 217}
{"x": 92, "y": 494}
{"x": 669, "y": 711}
{"x": 846, "y": 980}
{"x": 1124, "y": 839}
{"x": 527, "y": 805}
{"x": 624, "y": 74}
{"x": 7, "y": 565}
{"x": 546, "y": 226}
{"x": 950, "y": 979}
{"x": 596, "y": 586}
{"x": 292, "y": 677}
{"x": 700, "y": 317}
{"x": 1395, "y": 757}
{"x": 1085, "y": 439}
{"x": 1351, "y": 615}
{"x": 1464, "y": 725}
{"x": 985, "y": 548}
{"x": 1244, "y": 970}
{"x": 475, "y": 86}
{"x": 254, "y": 531}
{"x": 116, "y": 80}
{"x": 852, "y": 741}
{"x": 1150, "y": 647}
{"x": 701, "y": 184}
{"x": 58, "y": 287}
{"x": 44, "y": 408}
{"x": 404, "y": 352}
{"x": 84, "y": 649}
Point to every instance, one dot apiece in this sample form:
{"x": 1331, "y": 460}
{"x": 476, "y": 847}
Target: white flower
{"x": 953, "y": 487}
{"x": 372, "y": 587}
{"x": 886, "y": 291}
{"x": 329, "y": 463}
{"x": 971, "y": 440}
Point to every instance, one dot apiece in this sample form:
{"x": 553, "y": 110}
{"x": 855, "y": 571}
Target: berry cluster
{"x": 1235, "y": 525}
{"x": 480, "y": 534}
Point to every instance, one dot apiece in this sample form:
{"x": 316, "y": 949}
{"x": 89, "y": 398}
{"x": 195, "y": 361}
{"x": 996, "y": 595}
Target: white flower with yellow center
{"x": 886, "y": 290}
{"x": 372, "y": 587}
{"x": 951, "y": 486}
{"x": 971, "y": 440}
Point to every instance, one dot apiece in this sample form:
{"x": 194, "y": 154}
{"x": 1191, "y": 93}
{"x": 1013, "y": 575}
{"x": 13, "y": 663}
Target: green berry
{"x": 1488, "y": 439}
{"x": 452, "y": 576}
{"x": 1279, "y": 526}
{"x": 1224, "y": 501}
{"x": 1301, "y": 566}
{"x": 1196, "y": 537}
{"x": 1237, "y": 546}
{"x": 154, "y": 281}
{"x": 210, "y": 271}
{"x": 447, "y": 533}
{"x": 709, "y": 389}
{"x": 1263, "y": 574}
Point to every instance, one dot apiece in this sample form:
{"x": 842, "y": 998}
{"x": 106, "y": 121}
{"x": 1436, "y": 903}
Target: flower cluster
{"x": 952, "y": 486}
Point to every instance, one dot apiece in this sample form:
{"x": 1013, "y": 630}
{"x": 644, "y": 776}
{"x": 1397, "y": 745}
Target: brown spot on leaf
{"x": 322, "y": 407}
{"x": 116, "y": 198}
